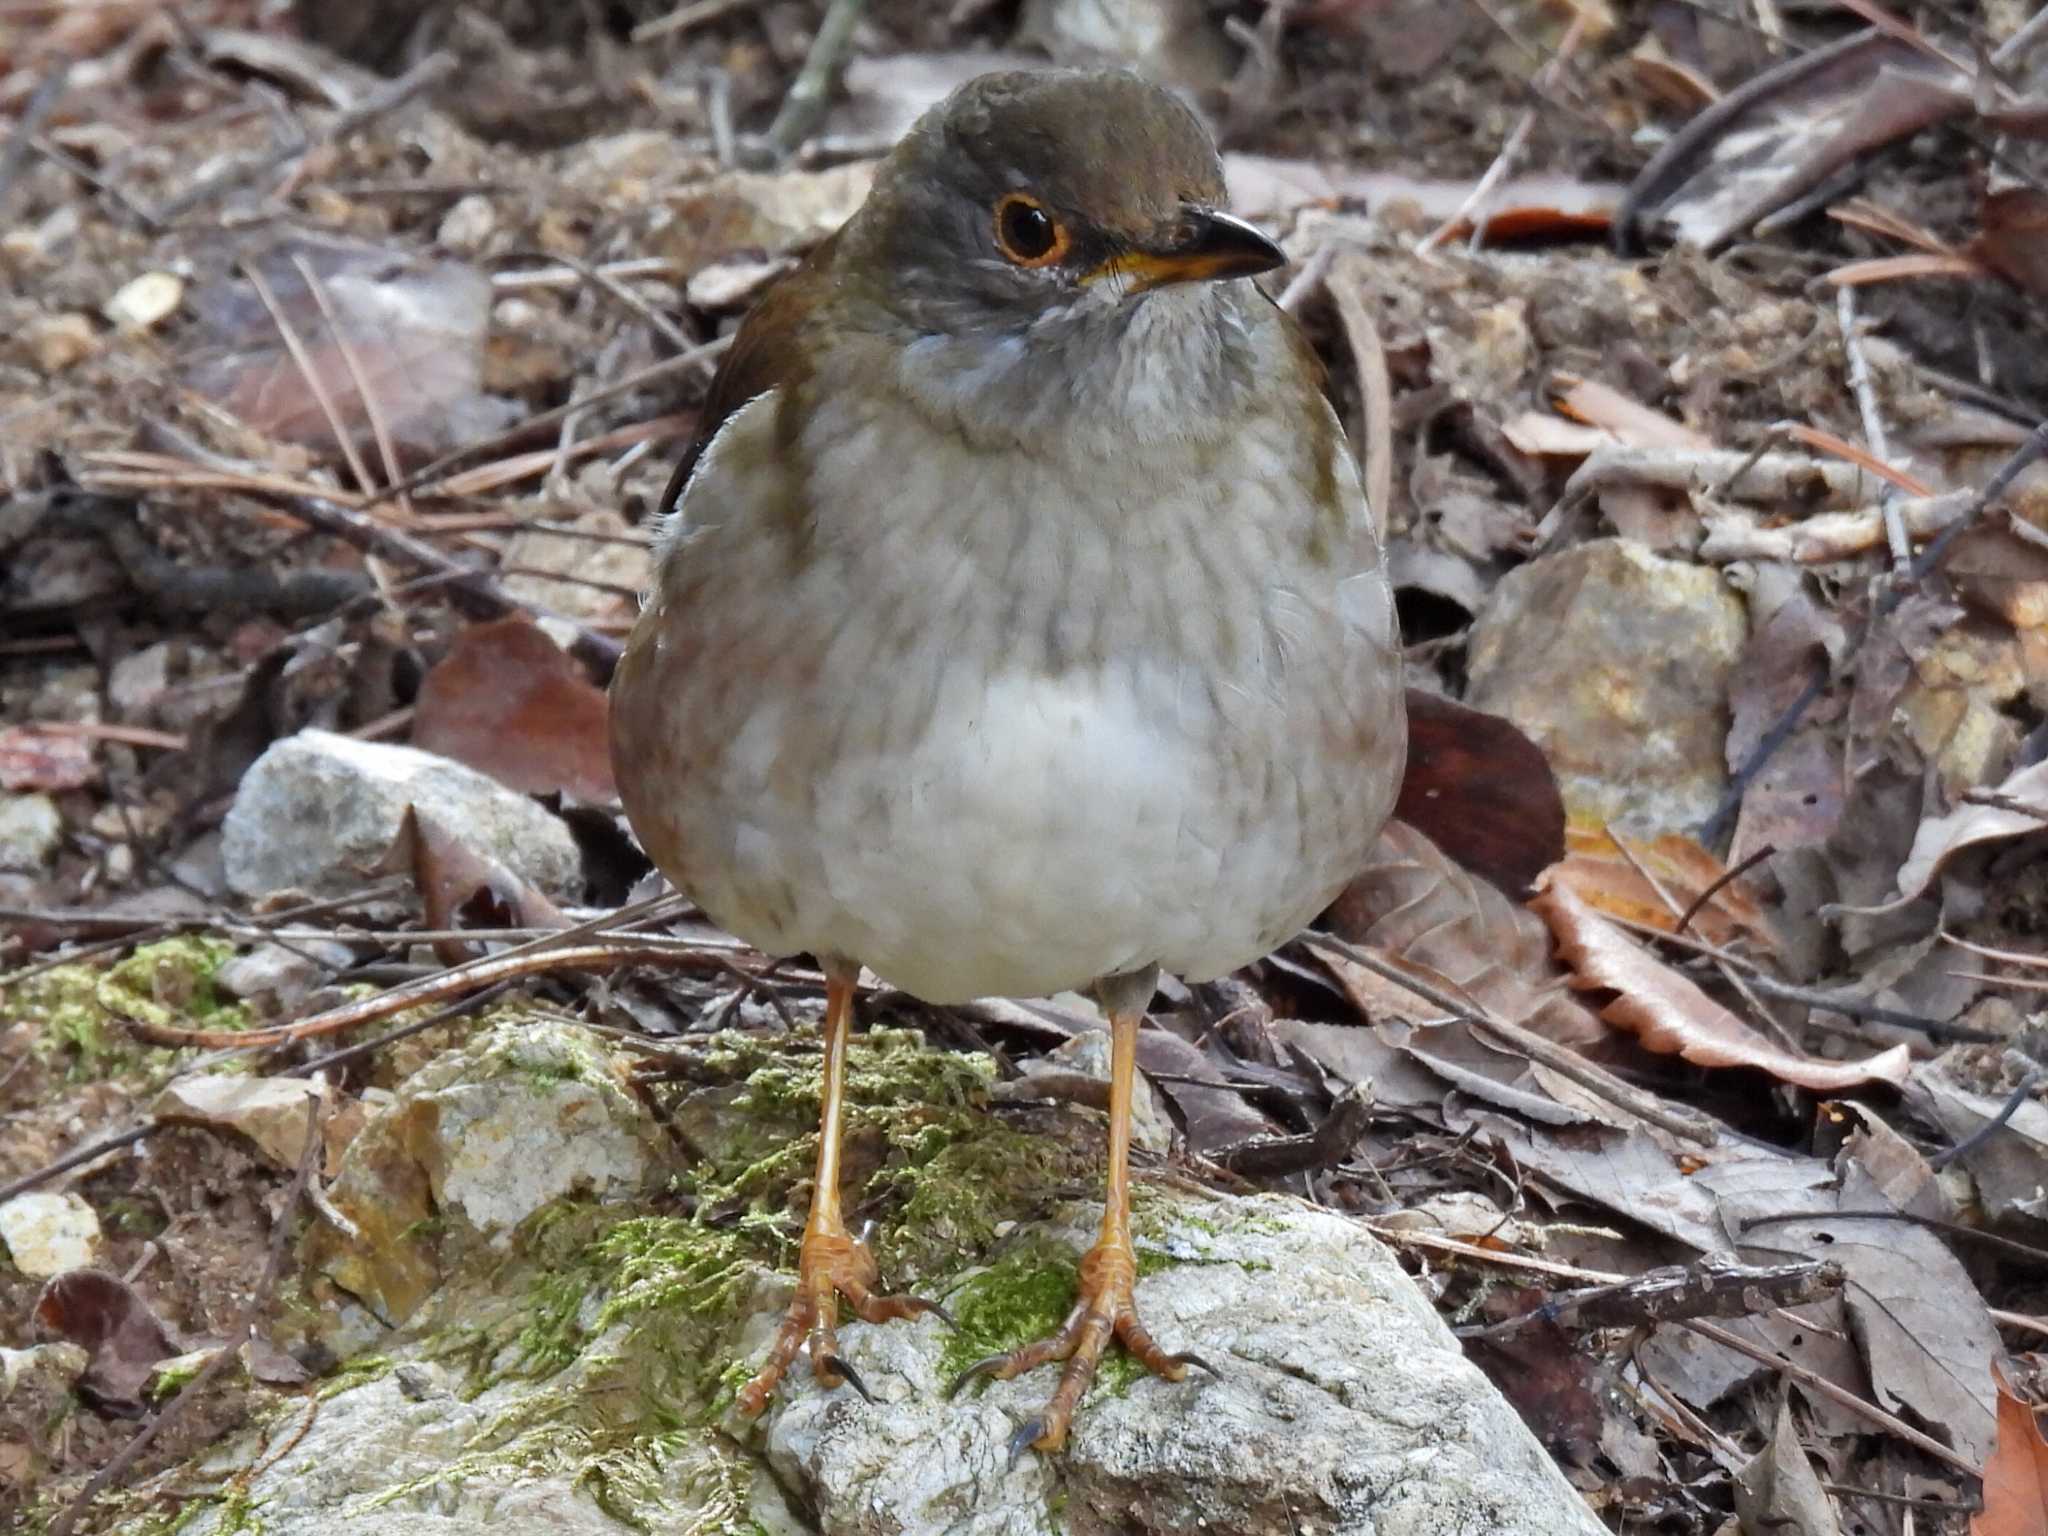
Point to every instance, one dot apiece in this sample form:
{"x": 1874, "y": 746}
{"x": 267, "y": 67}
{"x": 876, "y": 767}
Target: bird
{"x": 1017, "y": 625}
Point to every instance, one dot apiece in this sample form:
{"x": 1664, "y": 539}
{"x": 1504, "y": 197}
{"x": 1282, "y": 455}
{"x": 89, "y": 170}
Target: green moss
{"x": 1024, "y": 1296}
{"x": 78, "y": 1008}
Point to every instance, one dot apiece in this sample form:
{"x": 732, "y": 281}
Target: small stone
{"x": 31, "y": 832}
{"x": 278, "y": 978}
{"x": 137, "y": 682}
{"x": 56, "y": 342}
{"x": 466, "y": 226}
{"x": 1616, "y": 662}
{"x": 146, "y": 301}
{"x": 317, "y": 811}
{"x": 270, "y": 1111}
{"x": 527, "y": 1113}
{"x": 47, "y": 1232}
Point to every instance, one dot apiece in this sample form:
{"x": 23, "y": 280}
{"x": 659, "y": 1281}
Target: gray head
{"x": 1048, "y": 217}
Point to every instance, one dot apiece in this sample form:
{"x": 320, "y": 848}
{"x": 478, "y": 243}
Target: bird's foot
{"x": 1109, "y": 1271}
{"x": 833, "y": 1263}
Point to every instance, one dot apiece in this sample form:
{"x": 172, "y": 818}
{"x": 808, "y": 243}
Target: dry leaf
{"x": 2016, "y": 1476}
{"x": 1414, "y": 905}
{"x": 1596, "y": 870}
{"x": 413, "y": 329}
{"x": 1777, "y": 1493}
{"x": 462, "y": 888}
{"x": 107, "y": 1316}
{"x": 2014, "y": 239}
{"x": 1479, "y": 789}
{"x": 511, "y": 703}
{"x": 1670, "y": 1015}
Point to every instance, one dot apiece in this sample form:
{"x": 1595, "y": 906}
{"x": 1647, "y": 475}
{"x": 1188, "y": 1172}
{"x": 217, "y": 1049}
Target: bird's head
{"x": 1035, "y": 230}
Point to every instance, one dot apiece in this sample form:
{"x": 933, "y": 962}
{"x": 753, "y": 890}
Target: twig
{"x": 2015, "y": 48}
{"x": 804, "y": 107}
{"x": 1720, "y": 882}
{"x": 429, "y": 473}
{"x": 1645, "y": 1106}
{"x": 1873, "y": 420}
{"x": 554, "y": 952}
{"x": 1991, "y": 1127}
{"x": 1511, "y": 149}
{"x": 683, "y": 18}
{"x": 344, "y": 439}
{"x": 596, "y": 277}
{"x": 15, "y": 153}
{"x": 1812, "y": 1381}
{"x": 379, "y": 429}
{"x": 243, "y": 1331}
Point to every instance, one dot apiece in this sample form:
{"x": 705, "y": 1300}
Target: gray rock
{"x": 279, "y": 978}
{"x": 1344, "y": 1406}
{"x": 1616, "y": 662}
{"x": 31, "y": 831}
{"x": 481, "y": 1139}
{"x": 571, "y": 1381}
{"x": 317, "y": 810}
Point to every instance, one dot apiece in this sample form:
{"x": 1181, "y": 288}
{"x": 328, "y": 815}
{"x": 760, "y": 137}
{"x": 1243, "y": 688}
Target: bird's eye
{"x": 1027, "y": 234}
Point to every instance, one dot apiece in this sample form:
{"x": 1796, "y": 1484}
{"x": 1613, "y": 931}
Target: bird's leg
{"x": 1108, "y": 1274}
{"x": 832, "y": 1262}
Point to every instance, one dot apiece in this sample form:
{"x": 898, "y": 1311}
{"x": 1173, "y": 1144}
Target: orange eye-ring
{"x": 1027, "y": 234}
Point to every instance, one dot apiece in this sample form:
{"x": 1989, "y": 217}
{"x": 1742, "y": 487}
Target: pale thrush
{"x": 1019, "y": 625}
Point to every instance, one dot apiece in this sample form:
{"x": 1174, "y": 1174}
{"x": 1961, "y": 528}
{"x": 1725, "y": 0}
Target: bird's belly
{"x": 1036, "y": 832}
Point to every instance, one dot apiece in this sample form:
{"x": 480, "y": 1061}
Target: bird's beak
{"x": 1206, "y": 246}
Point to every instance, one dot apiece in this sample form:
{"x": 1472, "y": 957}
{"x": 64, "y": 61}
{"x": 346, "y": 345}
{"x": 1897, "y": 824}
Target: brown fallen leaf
{"x": 108, "y": 1317}
{"x": 462, "y": 888}
{"x": 511, "y": 703}
{"x": 1481, "y": 791}
{"x": 1671, "y": 1016}
{"x": 1598, "y": 872}
{"x": 2013, "y": 241}
{"x": 1778, "y": 1492}
{"x": 1415, "y": 905}
{"x": 2016, "y": 1476}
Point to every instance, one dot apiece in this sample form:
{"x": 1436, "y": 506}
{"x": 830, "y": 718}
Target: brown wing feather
{"x": 766, "y": 353}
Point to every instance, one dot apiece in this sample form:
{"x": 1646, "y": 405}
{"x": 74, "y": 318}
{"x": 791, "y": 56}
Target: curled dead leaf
{"x": 1671, "y": 1016}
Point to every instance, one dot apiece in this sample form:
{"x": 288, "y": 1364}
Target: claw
{"x": 982, "y": 1367}
{"x": 1026, "y": 1436}
{"x": 837, "y": 1364}
{"x": 1196, "y": 1360}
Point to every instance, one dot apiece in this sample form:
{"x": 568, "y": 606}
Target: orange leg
{"x": 1109, "y": 1271}
{"x": 832, "y": 1263}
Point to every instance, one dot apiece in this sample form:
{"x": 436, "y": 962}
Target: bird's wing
{"x": 765, "y": 353}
